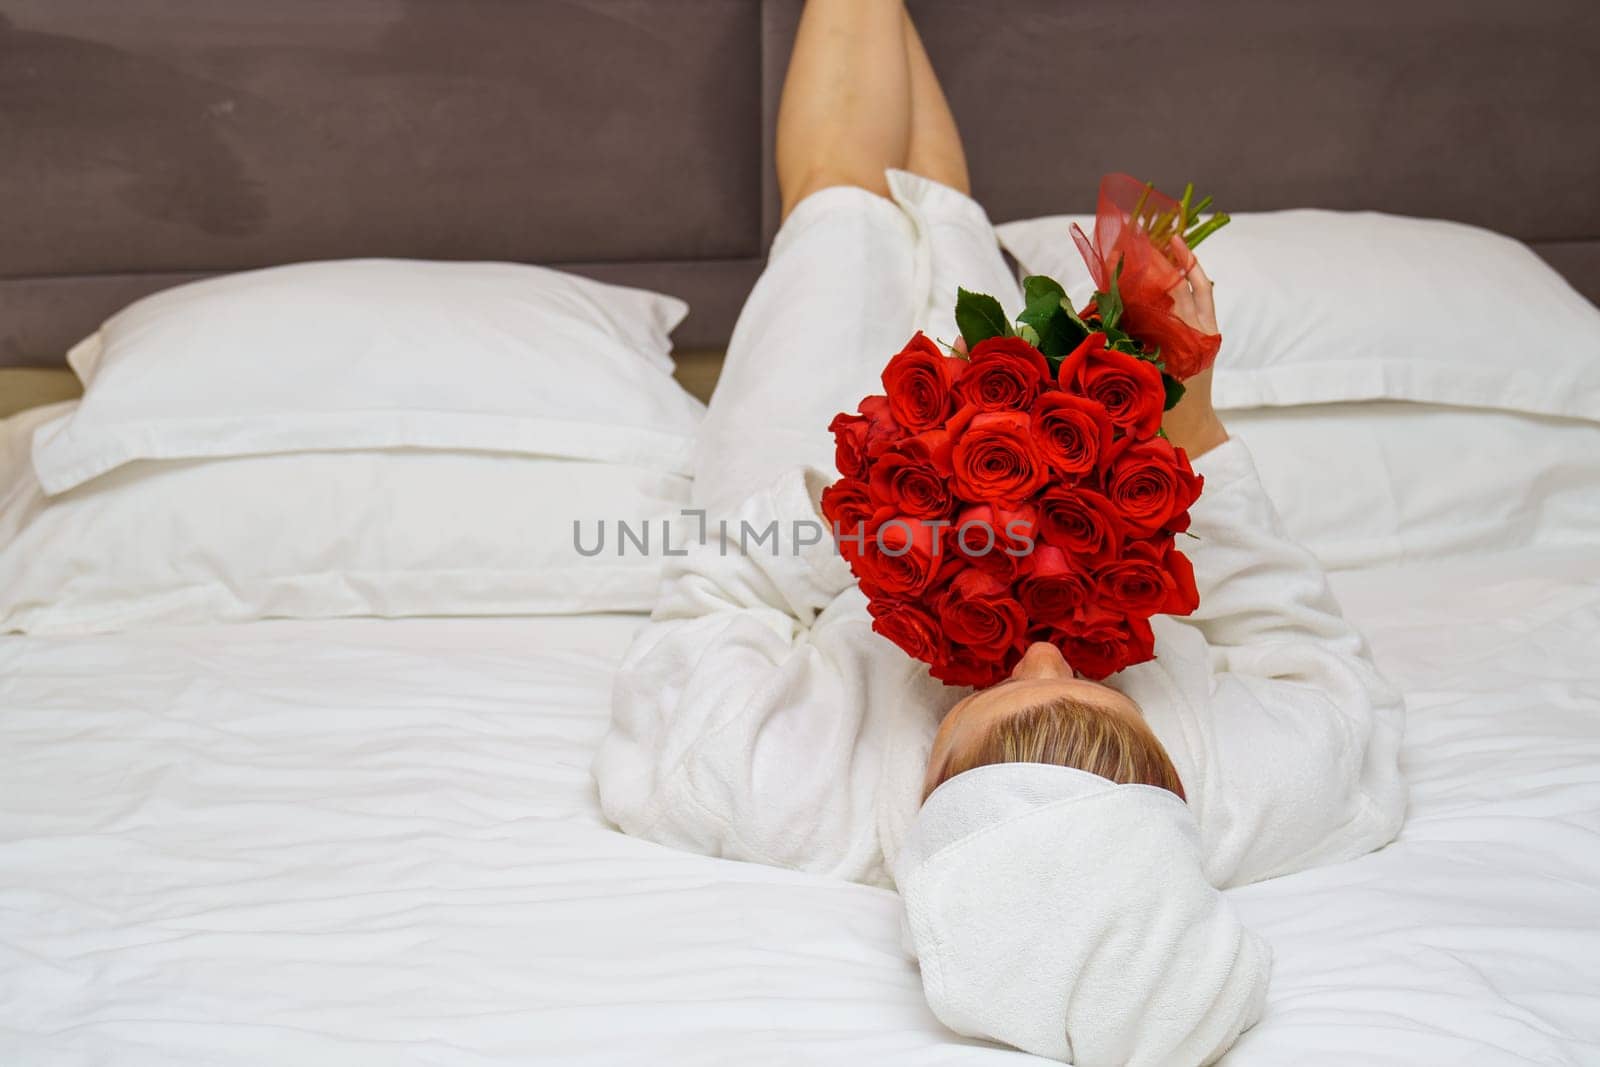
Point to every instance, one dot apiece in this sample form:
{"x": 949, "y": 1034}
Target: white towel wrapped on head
{"x": 1072, "y": 917}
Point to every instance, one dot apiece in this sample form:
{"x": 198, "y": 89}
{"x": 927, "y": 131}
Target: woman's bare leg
{"x": 843, "y": 291}
{"x": 935, "y": 147}
{"x": 846, "y": 111}
{"x": 860, "y": 97}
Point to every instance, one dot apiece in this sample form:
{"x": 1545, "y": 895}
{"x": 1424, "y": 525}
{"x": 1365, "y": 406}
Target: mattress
{"x": 370, "y": 841}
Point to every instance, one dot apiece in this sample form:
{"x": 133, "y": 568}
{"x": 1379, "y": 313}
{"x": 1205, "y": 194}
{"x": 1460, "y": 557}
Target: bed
{"x": 393, "y": 853}
{"x": 376, "y": 840}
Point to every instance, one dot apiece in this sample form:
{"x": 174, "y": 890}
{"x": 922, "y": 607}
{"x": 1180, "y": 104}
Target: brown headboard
{"x": 146, "y": 142}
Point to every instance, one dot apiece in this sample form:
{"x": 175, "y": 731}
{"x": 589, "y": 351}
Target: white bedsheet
{"x": 377, "y": 842}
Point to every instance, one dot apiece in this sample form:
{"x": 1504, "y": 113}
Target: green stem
{"x": 1138, "y": 208}
{"x": 1206, "y": 229}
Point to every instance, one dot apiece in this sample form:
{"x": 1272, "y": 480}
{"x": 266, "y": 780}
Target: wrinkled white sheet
{"x": 377, "y": 842}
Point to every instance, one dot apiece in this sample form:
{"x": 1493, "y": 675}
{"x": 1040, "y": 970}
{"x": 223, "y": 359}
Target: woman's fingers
{"x": 1205, "y": 306}
{"x": 1199, "y": 283}
{"x": 1191, "y": 302}
{"x": 1183, "y": 304}
{"x": 1180, "y": 251}
{"x": 1192, "y": 295}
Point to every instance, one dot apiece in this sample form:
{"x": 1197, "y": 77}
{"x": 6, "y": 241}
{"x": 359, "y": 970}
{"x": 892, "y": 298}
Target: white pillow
{"x": 1321, "y": 306}
{"x": 377, "y": 354}
{"x": 321, "y": 534}
{"x": 1382, "y": 482}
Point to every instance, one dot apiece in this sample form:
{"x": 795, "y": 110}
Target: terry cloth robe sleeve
{"x": 1284, "y": 733}
{"x": 1072, "y": 918}
{"x": 757, "y": 716}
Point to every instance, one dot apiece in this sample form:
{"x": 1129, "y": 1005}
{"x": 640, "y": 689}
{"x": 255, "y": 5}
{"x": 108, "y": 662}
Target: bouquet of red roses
{"x": 1019, "y": 488}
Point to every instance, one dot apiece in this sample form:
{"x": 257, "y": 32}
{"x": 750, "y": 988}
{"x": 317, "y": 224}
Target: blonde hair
{"x": 1068, "y": 733}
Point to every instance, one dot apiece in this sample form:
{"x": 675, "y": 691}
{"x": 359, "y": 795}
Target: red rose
{"x": 1151, "y": 485}
{"x": 1185, "y": 596}
{"x": 882, "y": 430}
{"x": 847, "y": 505}
{"x": 1130, "y": 388}
{"x": 995, "y": 458}
{"x": 978, "y": 610}
{"x": 999, "y": 540}
{"x": 1138, "y": 583}
{"x": 908, "y": 626}
{"x": 1072, "y": 431}
{"x": 902, "y": 556}
{"x": 913, "y": 476}
{"x": 849, "y": 443}
{"x": 1081, "y": 522}
{"x": 1122, "y": 249}
{"x": 918, "y": 382}
{"x": 971, "y": 667}
{"x": 1189, "y": 486}
{"x": 1108, "y": 646}
{"x": 1003, "y": 374}
{"x": 1056, "y": 589}
{"x": 1147, "y": 275}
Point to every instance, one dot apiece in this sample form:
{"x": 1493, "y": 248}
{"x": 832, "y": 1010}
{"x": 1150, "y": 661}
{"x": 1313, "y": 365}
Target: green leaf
{"x": 1039, "y": 312}
{"x": 1028, "y": 334}
{"x": 1175, "y": 391}
{"x": 1056, "y": 331}
{"x": 1036, "y": 287}
{"x": 1122, "y": 342}
{"x": 979, "y": 317}
{"x": 1062, "y": 334}
{"x": 1109, "y": 303}
{"x": 1072, "y": 313}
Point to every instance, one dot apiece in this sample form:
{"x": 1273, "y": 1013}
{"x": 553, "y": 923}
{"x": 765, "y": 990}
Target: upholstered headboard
{"x": 146, "y": 142}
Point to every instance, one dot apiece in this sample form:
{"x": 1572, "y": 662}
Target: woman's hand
{"x": 1193, "y": 424}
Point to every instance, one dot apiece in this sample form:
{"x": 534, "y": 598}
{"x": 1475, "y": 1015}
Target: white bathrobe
{"x": 758, "y": 717}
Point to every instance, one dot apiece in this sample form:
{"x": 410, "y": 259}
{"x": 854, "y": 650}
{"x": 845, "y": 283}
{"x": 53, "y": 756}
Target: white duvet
{"x": 378, "y": 842}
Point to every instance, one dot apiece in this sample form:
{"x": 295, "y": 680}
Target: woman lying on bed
{"x": 1059, "y": 843}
